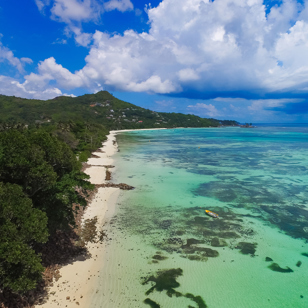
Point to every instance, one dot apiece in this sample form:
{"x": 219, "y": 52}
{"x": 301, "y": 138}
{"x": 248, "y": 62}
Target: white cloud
{"x": 195, "y": 45}
{"x": 83, "y": 39}
{"x": 204, "y": 109}
{"x": 50, "y": 70}
{"x": 26, "y": 60}
{"x": 76, "y": 10}
{"x": 188, "y": 74}
{"x": 10, "y": 86}
{"x": 41, "y": 4}
{"x": 223, "y": 45}
{"x": 261, "y": 104}
{"x": 120, "y": 5}
{"x": 60, "y": 41}
{"x": 6, "y": 55}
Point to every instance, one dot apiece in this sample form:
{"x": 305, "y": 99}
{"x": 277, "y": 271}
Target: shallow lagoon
{"x": 163, "y": 251}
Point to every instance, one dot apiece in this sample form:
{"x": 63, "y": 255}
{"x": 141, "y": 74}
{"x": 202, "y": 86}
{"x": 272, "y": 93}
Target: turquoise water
{"x": 164, "y": 249}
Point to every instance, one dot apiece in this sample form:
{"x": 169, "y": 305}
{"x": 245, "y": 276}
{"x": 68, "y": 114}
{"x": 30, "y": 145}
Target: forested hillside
{"x": 100, "y": 108}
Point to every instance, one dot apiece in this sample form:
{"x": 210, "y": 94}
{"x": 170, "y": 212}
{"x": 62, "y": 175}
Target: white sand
{"x": 78, "y": 279}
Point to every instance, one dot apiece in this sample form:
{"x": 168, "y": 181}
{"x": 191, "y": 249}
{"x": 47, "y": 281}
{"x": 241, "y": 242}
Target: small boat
{"x": 210, "y": 213}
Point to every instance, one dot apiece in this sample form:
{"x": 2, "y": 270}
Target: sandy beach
{"x": 78, "y": 279}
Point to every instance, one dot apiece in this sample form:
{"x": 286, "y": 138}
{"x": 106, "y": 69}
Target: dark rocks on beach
{"x": 108, "y": 166}
{"x": 108, "y": 175}
{"x": 94, "y": 156}
{"x": 122, "y": 186}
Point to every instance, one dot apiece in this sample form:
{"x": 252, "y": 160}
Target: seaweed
{"x": 151, "y": 303}
{"x": 276, "y": 268}
{"x": 197, "y": 299}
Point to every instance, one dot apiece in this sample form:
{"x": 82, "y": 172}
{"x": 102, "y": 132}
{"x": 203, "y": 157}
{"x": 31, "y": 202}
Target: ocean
{"x": 162, "y": 250}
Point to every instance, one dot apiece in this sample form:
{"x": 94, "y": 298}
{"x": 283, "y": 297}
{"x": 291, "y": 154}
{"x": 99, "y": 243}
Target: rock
{"x": 122, "y": 186}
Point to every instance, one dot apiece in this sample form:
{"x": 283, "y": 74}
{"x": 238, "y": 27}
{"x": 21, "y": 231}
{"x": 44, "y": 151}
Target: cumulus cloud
{"x": 194, "y": 46}
{"x": 12, "y": 87}
{"x": 120, "y": 5}
{"x": 75, "y": 10}
{"x": 203, "y": 46}
{"x": 6, "y": 55}
{"x": 204, "y": 109}
{"x": 50, "y": 70}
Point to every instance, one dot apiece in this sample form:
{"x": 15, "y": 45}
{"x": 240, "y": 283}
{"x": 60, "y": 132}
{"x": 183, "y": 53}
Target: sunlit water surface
{"x": 164, "y": 251}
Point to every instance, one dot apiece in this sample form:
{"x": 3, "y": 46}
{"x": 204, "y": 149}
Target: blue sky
{"x": 228, "y": 59}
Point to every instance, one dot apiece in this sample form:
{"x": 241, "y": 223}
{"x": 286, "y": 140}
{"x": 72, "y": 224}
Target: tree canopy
{"x": 40, "y": 180}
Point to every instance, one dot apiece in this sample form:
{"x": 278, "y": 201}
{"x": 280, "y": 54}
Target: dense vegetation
{"x": 40, "y": 180}
{"x": 42, "y": 145}
{"x": 100, "y": 108}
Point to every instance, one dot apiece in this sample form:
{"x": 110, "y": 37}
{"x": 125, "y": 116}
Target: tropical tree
{"x": 21, "y": 227}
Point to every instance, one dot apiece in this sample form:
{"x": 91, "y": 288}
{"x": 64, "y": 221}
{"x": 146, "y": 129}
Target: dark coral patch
{"x": 165, "y": 280}
{"x": 197, "y": 258}
{"x": 159, "y": 257}
{"x": 197, "y": 299}
{"x": 217, "y": 242}
{"x": 151, "y": 303}
{"x": 276, "y": 268}
{"x": 192, "y": 241}
{"x": 268, "y": 259}
{"x": 208, "y": 252}
{"x": 247, "y": 248}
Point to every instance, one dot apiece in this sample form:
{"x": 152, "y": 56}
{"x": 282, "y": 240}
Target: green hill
{"x": 100, "y": 108}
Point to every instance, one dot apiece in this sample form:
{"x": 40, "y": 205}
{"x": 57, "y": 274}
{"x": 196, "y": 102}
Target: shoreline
{"x": 78, "y": 281}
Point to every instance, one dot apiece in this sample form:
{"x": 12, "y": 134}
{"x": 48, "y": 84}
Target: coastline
{"x": 78, "y": 281}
